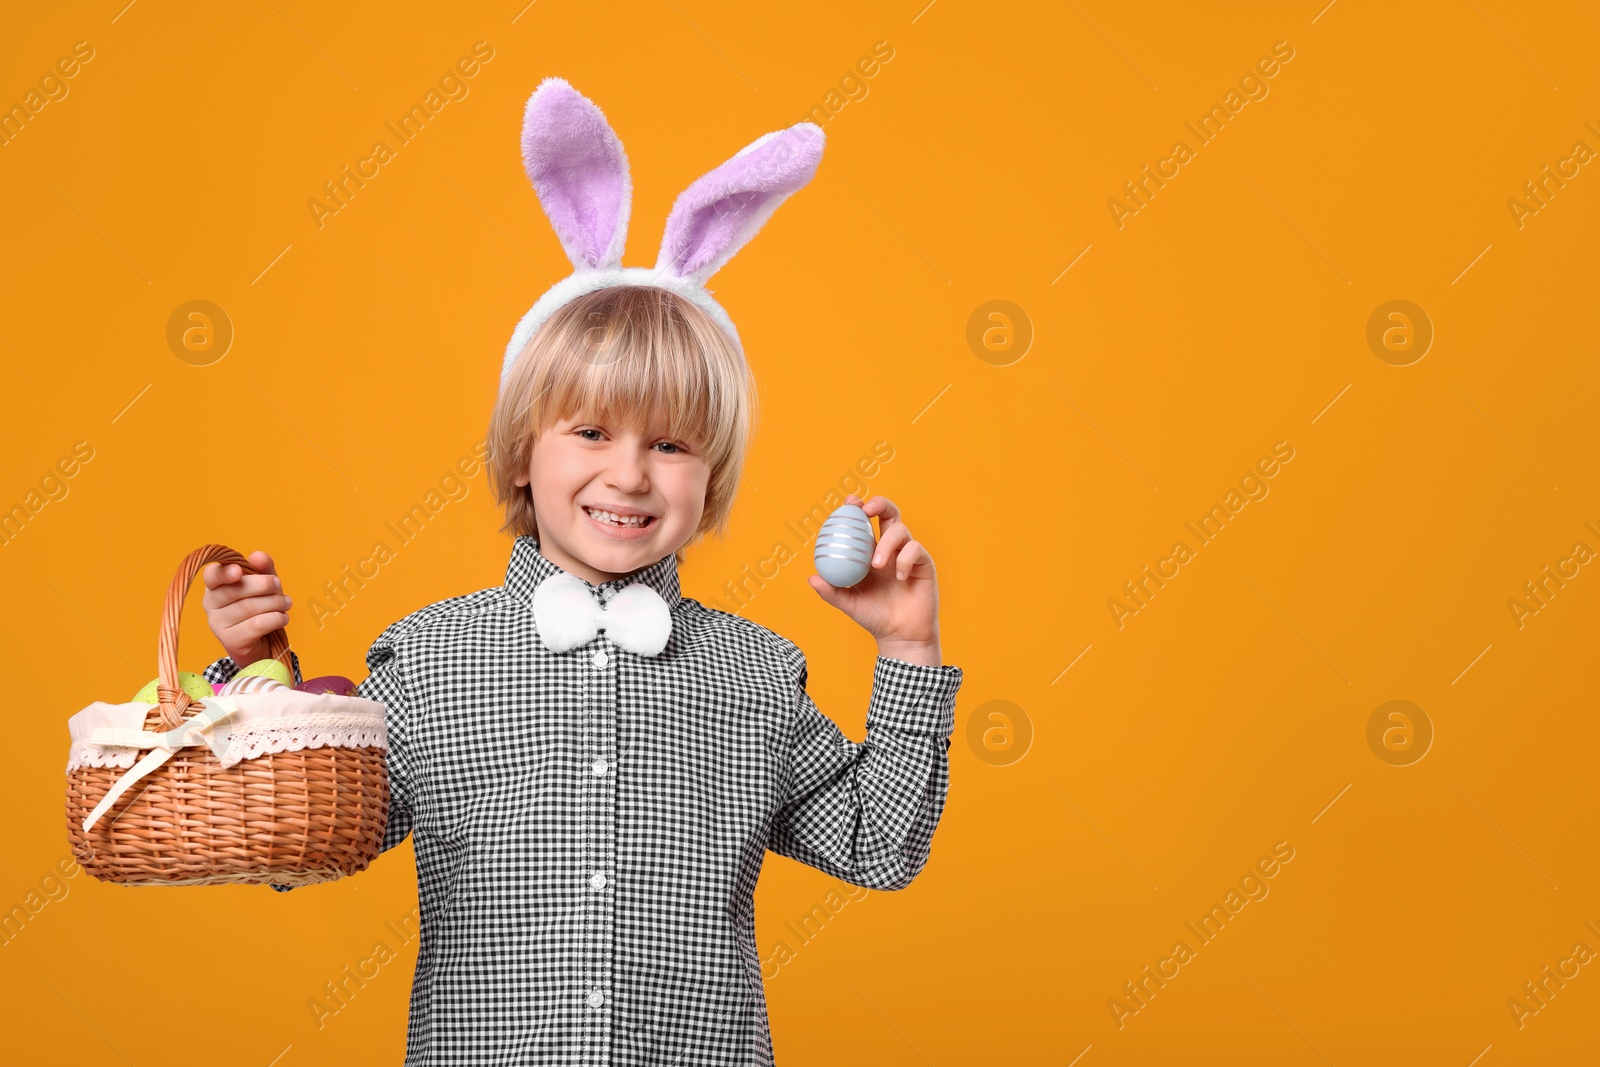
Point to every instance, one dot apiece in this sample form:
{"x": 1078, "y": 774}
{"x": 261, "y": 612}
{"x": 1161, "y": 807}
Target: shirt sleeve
{"x": 386, "y": 684}
{"x": 224, "y": 669}
{"x": 865, "y": 812}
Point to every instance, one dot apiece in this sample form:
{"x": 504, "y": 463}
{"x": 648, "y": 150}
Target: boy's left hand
{"x": 898, "y": 601}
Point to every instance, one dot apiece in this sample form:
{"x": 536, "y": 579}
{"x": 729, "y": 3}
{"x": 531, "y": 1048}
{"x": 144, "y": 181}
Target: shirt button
{"x": 600, "y": 659}
{"x": 598, "y": 881}
{"x": 596, "y": 998}
{"x": 598, "y": 766}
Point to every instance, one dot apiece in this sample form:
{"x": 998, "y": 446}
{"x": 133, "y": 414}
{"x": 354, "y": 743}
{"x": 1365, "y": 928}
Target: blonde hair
{"x": 621, "y": 355}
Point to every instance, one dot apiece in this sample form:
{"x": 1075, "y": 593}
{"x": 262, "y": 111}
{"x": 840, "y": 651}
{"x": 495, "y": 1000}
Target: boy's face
{"x": 578, "y": 463}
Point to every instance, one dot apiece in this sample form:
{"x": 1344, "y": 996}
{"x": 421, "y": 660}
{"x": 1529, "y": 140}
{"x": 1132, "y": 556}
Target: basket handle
{"x": 173, "y": 700}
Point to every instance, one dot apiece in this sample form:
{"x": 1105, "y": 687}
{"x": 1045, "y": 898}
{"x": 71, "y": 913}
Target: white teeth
{"x": 606, "y": 516}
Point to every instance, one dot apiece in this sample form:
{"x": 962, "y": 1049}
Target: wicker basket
{"x": 250, "y": 788}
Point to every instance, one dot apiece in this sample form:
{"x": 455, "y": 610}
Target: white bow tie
{"x": 568, "y": 616}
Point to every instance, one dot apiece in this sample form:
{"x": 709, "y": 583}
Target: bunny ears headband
{"x": 581, "y": 175}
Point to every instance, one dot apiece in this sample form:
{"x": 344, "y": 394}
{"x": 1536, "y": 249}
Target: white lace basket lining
{"x": 278, "y": 720}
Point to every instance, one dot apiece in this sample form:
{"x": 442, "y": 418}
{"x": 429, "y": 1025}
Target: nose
{"x": 627, "y": 472}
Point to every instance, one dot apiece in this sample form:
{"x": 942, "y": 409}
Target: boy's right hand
{"x": 243, "y": 609}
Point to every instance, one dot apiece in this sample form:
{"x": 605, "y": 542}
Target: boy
{"x": 591, "y": 765}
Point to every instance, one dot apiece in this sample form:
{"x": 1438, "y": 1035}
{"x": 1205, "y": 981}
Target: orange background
{"x": 1229, "y": 313}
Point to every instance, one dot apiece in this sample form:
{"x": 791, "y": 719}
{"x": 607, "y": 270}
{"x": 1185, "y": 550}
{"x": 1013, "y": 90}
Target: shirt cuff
{"x": 913, "y": 698}
{"x": 224, "y": 669}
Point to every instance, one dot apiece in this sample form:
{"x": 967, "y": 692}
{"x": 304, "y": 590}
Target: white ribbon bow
{"x": 206, "y": 727}
{"x": 568, "y": 615}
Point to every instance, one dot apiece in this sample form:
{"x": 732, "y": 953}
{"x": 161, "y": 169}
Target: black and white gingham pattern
{"x": 589, "y": 825}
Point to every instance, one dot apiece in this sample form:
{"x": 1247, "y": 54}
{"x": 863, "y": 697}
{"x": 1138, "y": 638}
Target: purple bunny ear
{"x": 578, "y": 168}
{"x": 722, "y": 210}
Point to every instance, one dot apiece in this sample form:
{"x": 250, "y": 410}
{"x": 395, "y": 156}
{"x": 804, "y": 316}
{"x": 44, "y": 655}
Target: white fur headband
{"x": 580, "y": 172}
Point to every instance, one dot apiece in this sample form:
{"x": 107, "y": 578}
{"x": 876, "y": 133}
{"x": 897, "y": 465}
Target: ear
{"x": 722, "y": 210}
{"x": 578, "y": 168}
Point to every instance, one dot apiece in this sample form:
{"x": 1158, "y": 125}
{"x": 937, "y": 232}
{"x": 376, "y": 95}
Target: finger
{"x": 890, "y": 543}
{"x": 884, "y": 508}
{"x": 230, "y": 619}
{"x": 225, "y": 573}
{"x": 228, "y": 573}
{"x": 910, "y": 556}
{"x": 221, "y": 594}
{"x": 238, "y": 611}
{"x": 222, "y": 582}
{"x": 260, "y": 585}
{"x": 254, "y": 629}
{"x": 218, "y": 574}
{"x": 832, "y": 594}
{"x": 881, "y": 506}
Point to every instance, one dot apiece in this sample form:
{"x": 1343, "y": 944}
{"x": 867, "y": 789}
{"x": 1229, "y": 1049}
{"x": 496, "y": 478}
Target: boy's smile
{"x": 620, "y": 522}
{"x": 584, "y": 474}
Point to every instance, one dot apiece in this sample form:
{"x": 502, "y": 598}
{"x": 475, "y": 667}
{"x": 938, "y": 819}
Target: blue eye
{"x": 677, "y": 448}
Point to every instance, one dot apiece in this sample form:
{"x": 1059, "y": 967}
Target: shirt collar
{"x": 529, "y": 567}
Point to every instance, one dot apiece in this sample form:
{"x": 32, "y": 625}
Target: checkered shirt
{"x": 589, "y": 825}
